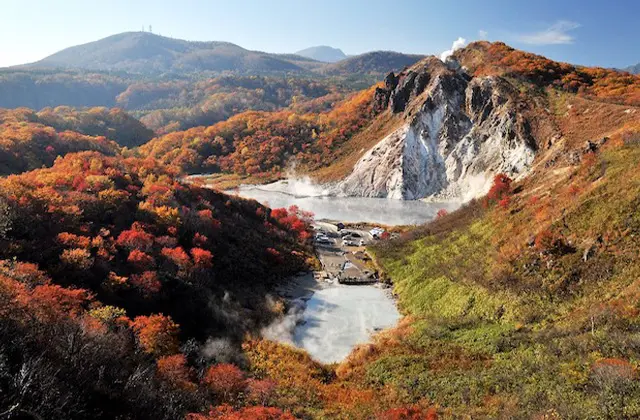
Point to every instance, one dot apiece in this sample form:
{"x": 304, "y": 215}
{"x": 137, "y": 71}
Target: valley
{"x": 342, "y": 305}
{"x": 199, "y": 231}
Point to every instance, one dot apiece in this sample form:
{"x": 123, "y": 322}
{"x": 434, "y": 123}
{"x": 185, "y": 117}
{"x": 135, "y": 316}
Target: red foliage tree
{"x": 177, "y": 256}
{"x": 51, "y": 301}
{"x": 504, "y": 203}
{"x": 295, "y": 220}
{"x": 174, "y": 370}
{"x": 500, "y": 189}
{"x": 225, "y": 380}
{"x": 141, "y": 260}
{"x": 146, "y": 282}
{"x": 441, "y": 213}
{"x": 201, "y": 258}
{"x": 136, "y": 238}
{"x": 501, "y": 186}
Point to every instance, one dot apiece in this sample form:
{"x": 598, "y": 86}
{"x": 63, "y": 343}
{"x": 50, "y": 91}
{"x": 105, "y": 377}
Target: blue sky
{"x": 582, "y": 32}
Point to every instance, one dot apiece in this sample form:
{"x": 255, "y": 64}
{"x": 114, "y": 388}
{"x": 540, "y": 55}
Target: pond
{"x": 346, "y": 209}
{"x": 339, "y": 317}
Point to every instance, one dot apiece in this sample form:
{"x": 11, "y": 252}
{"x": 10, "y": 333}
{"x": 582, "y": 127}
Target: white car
{"x": 324, "y": 240}
{"x": 376, "y": 232}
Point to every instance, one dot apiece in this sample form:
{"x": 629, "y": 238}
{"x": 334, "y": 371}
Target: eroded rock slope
{"x": 458, "y": 131}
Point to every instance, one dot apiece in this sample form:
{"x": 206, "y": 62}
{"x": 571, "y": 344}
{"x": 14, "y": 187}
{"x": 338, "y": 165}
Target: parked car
{"x": 340, "y": 226}
{"x": 376, "y": 232}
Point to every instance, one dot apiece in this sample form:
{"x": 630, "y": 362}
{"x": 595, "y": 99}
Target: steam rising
{"x": 457, "y": 44}
{"x": 477, "y": 186}
{"x": 298, "y": 187}
{"x": 282, "y": 329}
{"x": 219, "y": 350}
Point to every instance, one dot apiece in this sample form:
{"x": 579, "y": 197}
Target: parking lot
{"x": 343, "y": 255}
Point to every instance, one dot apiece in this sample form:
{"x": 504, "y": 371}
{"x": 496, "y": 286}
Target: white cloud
{"x": 555, "y": 34}
{"x": 482, "y": 34}
{"x": 457, "y": 44}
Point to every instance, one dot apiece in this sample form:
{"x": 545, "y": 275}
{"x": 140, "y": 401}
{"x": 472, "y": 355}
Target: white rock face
{"x": 463, "y": 134}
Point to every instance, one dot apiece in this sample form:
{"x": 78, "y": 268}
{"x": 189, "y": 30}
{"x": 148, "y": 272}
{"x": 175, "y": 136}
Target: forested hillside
{"x": 30, "y": 140}
{"x": 484, "y": 58}
{"x": 112, "y": 269}
{"x": 164, "y": 105}
{"x": 265, "y": 143}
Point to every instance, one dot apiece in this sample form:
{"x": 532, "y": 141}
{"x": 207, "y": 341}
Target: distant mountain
{"x": 633, "y": 69}
{"x": 323, "y": 53}
{"x": 159, "y": 78}
{"x": 371, "y": 63}
{"x": 146, "y": 53}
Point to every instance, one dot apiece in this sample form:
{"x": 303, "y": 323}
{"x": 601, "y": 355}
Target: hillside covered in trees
{"x": 30, "y": 140}
{"x": 253, "y": 143}
{"x": 111, "y": 268}
{"x": 163, "y": 104}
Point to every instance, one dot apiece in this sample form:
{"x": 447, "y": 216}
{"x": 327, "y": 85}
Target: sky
{"x": 584, "y": 32}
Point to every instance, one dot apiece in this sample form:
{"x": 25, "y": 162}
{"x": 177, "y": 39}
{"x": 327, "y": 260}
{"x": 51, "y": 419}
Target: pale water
{"x": 346, "y": 209}
{"x": 339, "y": 317}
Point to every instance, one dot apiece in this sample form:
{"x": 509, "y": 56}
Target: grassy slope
{"x": 502, "y": 327}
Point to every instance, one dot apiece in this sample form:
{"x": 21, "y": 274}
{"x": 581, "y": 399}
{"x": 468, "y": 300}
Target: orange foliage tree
{"x": 157, "y": 334}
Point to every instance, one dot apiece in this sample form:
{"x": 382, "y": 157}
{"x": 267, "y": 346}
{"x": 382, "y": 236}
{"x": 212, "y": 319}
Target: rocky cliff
{"x": 457, "y": 132}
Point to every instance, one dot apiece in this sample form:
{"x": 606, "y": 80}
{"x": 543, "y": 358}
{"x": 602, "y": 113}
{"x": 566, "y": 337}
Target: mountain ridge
{"x": 323, "y": 53}
{"x": 148, "y": 54}
{"x": 633, "y": 69}
{"x": 144, "y": 52}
